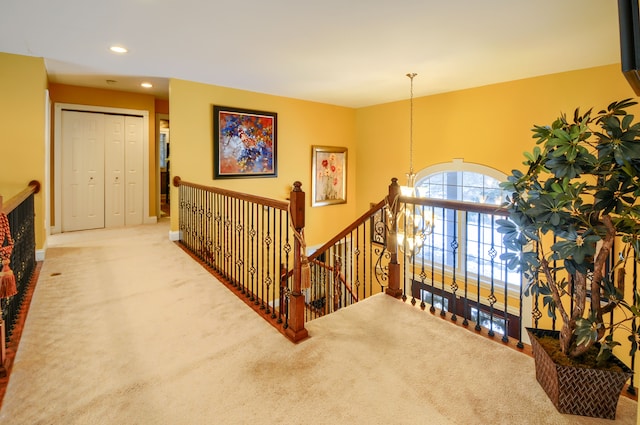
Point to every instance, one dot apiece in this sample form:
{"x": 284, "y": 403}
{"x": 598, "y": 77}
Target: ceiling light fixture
{"x": 413, "y": 226}
{"x": 146, "y": 85}
{"x": 118, "y": 49}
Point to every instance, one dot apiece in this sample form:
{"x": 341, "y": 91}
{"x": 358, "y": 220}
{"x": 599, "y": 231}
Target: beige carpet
{"x": 125, "y": 328}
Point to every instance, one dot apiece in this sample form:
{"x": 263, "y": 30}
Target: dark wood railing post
{"x": 392, "y": 240}
{"x": 296, "y": 330}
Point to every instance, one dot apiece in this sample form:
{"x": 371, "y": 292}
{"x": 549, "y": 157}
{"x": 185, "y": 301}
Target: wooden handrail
{"x": 455, "y": 205}
{"x": 273, "y": 203}
{"x": 10, "y": 205}
{"x": 428, "y": 202}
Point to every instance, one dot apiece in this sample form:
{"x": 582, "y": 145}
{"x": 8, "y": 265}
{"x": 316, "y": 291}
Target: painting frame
{"x": 245, "y": 143}
{"x": 328, "y": 175}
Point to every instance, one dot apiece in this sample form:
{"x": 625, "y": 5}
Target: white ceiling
{"x": 344, "y": 52}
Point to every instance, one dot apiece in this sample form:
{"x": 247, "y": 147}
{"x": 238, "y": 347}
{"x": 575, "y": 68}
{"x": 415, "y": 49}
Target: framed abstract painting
{"x": 329, "y": 175}
{"x": 244, "y": 143}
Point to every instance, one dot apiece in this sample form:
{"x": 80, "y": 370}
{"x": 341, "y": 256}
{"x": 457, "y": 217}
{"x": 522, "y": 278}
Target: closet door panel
{"x": 134, "y": 171}
{"x": 82, "y": 171}
{"x": 114, "y": 170}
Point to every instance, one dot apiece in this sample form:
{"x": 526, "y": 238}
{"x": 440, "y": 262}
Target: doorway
{"x": 101, "y": 177}
{"x": 164, "y": 164}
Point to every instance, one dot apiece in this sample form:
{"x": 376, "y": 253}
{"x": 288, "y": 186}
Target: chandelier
{"x": 413, "y": 228}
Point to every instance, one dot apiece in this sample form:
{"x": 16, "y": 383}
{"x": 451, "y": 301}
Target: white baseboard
{"x": 151, "y": 220}
{"x": 175, "y": 235}
{"x": 40, "y": 254}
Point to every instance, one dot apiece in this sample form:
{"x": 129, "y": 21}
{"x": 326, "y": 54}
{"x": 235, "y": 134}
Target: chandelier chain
{"x": 411, "y": 175}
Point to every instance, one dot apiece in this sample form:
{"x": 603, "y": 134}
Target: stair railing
{"x": 444, "y": 255}
{"x": 20, "y": 212}
{"x": 351, "y": 266}
{"x": 249, "y": 243}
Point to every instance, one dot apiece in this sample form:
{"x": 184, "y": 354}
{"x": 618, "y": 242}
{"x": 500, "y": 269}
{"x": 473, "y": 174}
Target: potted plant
{"x": 571, "y": 212}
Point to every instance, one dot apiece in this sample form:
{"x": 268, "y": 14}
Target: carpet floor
{"x": 125, "y": 328}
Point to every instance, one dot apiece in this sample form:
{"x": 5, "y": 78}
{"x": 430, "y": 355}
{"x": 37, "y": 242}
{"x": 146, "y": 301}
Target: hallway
{"x": 125, "y": 328}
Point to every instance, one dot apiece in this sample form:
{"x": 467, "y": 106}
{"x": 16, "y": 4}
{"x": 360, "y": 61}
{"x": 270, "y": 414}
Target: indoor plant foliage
{"x": 572, "y": 207}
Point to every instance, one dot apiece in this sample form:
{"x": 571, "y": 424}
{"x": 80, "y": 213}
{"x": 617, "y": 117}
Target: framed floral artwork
{"x": 245, "y": 143}
{"x": 329, "y": 178}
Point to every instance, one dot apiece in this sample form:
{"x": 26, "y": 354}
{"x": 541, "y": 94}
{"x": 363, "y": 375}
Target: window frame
{"x": 461, "y": 220}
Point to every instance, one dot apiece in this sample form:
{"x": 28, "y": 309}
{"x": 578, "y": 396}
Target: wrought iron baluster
{"x": 423, "y": 274}
{"x": 241, "y": 248}
{"x": 273, "y": 270}
{"x": 555, "y": 264}
{"x": 481, "y": 259}
{"x": 284, "y": 281}
{"x": 356, "y": 254}
{"x": 191, "y": 218}
{"x": 218, "y": 231}
{"x": 253, "y": 252}
{"x": 443, "y": 312}
{"x": 202, "y": 235}
{"x": 412, "y": 259}
{"x": 209, "y": 236}
{"x": 181, "y": 214}
{"x": 227, "y": 238}
{"x": 465, "y": 304}
{"x": 405, "y": 250}
{"x": 454, "y": 252}
{"x": 634, "y": 328}
{"x": 261, "y": 256}
{"x": 432, "y": 309}
{"x": 520, "y": 344}
{"x": 337, "y": 287}
{"x": 505, "y": 270}
{"x": 492, "y": 296}
{"x": 268, "y": 242}
{"x": 184, "y": 215}
{"x": 369, "y": 241}
{"x": 536, "y": 314}
{"x": 288, "y": 282}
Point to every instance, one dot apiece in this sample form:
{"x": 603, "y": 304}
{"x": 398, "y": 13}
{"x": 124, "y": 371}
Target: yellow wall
{"x": 23, "y": 83}
{"x": 301, "y": 124}
{"x": 162, "y": 106}
{"x": 487, "y": 125}
{"x": 61, "y": 93}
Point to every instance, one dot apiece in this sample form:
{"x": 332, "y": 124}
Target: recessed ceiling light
{"x": 118, "y": 49}
{"x": 147, "y": 85}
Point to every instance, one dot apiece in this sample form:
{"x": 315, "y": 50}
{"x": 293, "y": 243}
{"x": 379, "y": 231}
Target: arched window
{"x": 479, "y": 254}
{"x": 460, "y": 181}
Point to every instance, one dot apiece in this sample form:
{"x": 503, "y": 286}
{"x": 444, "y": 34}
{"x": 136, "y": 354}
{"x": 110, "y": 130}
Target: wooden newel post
{"x": 392, "y": 241}
{"x": 296, "y": 330}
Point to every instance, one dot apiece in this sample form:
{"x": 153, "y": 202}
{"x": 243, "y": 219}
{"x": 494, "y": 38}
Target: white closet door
{"x": 114, "y": 171}
{"x": 82, "y": 171}
{"x": 133, "y": 162}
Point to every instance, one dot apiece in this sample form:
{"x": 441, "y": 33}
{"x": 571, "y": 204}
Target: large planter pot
{"x": 578, "y": 390}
